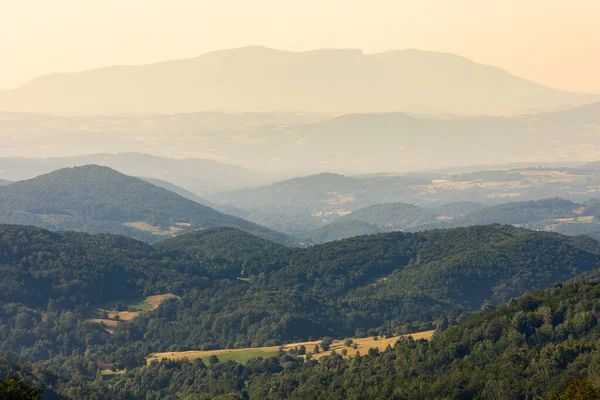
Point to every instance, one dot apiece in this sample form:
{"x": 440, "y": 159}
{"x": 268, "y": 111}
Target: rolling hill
{"x": 235, "y": 287}
{"x": 523, "y": 213}
{"x": 194, "y": 174}
{"x": 262, "y": 79}
{"x": 403, "y": 141}
{"x": 100, "y": 200}
{"x": 178, "y": 190}
{"x": 387, "y": 217}
{"x": 285, "y": 145}
{"x": 555, "y": 214}
{"x": 341, "y": 229}
{"x": 541, "y": 345}
{"x": 300, "y": 205}
{"x": 394, "y": 216}
{"x": 235, "y": 290}
{"x": 457, "y": 208}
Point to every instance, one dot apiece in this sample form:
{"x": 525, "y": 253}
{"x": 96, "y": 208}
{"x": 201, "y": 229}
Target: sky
{"x": 553, "y": 42}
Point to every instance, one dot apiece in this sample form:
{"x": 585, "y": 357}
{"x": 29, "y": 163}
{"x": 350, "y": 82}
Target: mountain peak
{"x": 98, "y": 199}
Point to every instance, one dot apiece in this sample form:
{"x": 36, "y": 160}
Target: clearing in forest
{"x": 242, "y": 355}
{"x": 108, "y": 314}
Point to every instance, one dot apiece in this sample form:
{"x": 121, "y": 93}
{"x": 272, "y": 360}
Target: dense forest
{"x": 238, "y": 290}
{"x": 541, "y": 345}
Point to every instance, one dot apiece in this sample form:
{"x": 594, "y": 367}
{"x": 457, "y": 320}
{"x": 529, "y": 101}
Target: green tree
{"x": 13, "y": 388}
{"x": 326, "y": 343}
{"x": 212, "y": 360}
{"x": 578, "y": 389}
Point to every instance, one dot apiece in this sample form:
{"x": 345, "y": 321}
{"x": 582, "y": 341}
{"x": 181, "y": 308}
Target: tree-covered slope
{"x": 457, "y": 208}
{"x": 534, "y": 346}
{"x": 525, "y": 212}
{"x": 66, "y": 270}
{"x": 543, "y": 345}
{"x": 554, "y": 214}
{"x": 342, "y": 229}
{"x": 494, "y": 272}
{"x": 386, "y": 281}
{"x": 247, "y": 254}
{"x": 358, "y": 261}
{"x": 373, "y": 219}
{"x": 237, "y": 290}
{"x": 100, "y": 200}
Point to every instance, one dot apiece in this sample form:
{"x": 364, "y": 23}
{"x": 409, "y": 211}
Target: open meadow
{"x": 242, "y": 355}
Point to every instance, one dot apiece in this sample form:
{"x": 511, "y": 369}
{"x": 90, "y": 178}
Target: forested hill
{"x": 98, "y": 199}
{"x": 503, "y": 260}
{"x": 542, "y": 345}
{"x": 523, "y": 212}
{"x": 342, "y": 229}
{"x": 69, "y": 270}
{"x": 385, "y": 280}
{"x": 4, "y": 182}
{"x": 387, "y": 217}
{"x": 238, "y": 290}
{"x": 248, "y": 254}
{"x": 553, "y": 214}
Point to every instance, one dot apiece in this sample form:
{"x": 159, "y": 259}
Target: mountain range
{"x": 101, "y": 200}
{"x": 298, "y": 205}
{"x": 558, "y": 215}
{"x": 262, "y": 79}
{"x": 274, "y": 146}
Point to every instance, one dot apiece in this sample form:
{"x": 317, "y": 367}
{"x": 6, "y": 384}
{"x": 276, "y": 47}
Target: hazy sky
{"x": 554, "y": 42}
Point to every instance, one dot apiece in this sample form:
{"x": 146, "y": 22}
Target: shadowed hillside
{"x": 100, "y": 200}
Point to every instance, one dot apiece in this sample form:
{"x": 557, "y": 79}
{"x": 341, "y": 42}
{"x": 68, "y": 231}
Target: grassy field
{"x": 242, "y": 355}
{"x": 108, "y": 373}
{"x": 134, "y": 308}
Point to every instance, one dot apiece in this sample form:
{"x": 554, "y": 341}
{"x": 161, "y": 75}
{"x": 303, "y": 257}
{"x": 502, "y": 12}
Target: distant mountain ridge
{"x": 555, "y": 214}
{"x": 98, "y": 199}
{"x": 195, "y": 174}
{"x": 257, "y": 78}
{"x": 293, "y": 144}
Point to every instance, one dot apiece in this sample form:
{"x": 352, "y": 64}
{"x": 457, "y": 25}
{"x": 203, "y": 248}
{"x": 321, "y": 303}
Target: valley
{"x": 201, "y": 298}
{"x": 401, "y": 201}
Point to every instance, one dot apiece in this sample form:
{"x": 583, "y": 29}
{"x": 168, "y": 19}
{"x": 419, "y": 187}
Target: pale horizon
{"x": 548, "y": 42}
